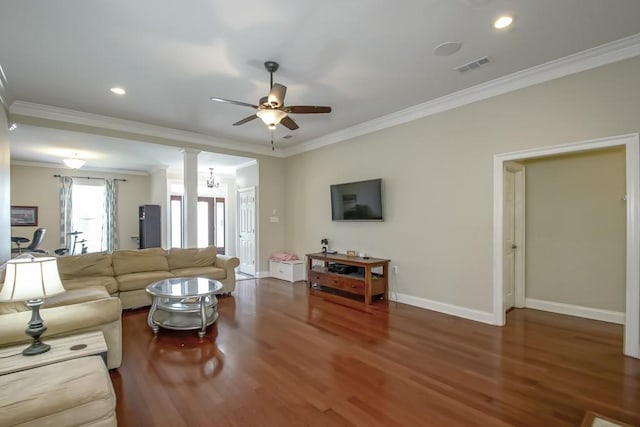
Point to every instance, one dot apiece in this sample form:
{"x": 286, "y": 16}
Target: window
{"x": 210, "y": 226}
{"x": 87, "y": 217}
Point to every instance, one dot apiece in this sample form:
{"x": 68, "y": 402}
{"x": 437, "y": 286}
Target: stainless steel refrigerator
{"x": 150, "y": 226}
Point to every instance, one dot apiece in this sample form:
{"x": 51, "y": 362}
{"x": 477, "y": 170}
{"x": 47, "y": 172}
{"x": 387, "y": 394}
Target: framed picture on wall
{"x": 24, "y": 216}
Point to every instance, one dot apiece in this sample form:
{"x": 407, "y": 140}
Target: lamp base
{"x": 36, "y": 348}
{"x": 35, "y": 329}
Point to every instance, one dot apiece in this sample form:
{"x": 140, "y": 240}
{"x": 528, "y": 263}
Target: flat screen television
{"x": 357, "y": 201}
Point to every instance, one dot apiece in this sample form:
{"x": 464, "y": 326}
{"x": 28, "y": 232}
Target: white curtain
{"x": 110, "y": 226}
{"x": 66, "y": 189}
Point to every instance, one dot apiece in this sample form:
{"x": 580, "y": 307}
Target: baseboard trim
{"x": 576, "y": 310}
{"x": 262, "y": 274}
{"x": 441, "y": 307}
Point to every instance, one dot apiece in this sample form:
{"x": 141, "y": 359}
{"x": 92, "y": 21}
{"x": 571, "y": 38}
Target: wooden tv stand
{"x": 367, "y": 285}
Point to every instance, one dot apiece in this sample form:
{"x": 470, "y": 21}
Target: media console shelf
{"x": 368, "y": 284}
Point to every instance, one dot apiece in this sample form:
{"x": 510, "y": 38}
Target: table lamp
{"x": 32, "y": 279}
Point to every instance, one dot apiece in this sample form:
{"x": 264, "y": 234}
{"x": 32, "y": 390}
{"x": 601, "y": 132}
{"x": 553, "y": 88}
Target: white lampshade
{"x": 271, "y": 117}
{"x": 74, "y": 162}
{"x": 29, "y": 278}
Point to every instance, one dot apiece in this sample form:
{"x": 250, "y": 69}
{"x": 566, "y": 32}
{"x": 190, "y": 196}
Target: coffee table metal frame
{"x": 183, "y": 303}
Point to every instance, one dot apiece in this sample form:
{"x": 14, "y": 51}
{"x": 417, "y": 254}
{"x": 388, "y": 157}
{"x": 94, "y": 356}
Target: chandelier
{"x": 212, "y": 182}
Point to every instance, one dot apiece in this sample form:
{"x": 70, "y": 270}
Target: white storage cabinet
{"x": 291, "y": 271}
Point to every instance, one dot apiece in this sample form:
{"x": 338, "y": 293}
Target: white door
{"x": 513, "y": 263}
{"x": 247, "y": 230}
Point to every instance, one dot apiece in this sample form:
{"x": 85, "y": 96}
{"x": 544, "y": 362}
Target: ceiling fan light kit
{"x": 271, "y": 108}
{"x": 271, "y": 117}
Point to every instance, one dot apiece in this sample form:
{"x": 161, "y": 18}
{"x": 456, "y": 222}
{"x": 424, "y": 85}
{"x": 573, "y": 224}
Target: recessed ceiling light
{"x": 448, "y": 48}
{"x": 503, "y": 22}
{"x": 13, "y": 126}
{"x": 118, "y": 90}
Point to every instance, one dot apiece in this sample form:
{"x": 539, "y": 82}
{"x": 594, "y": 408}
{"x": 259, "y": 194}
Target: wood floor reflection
{"x": 278, "y": 356}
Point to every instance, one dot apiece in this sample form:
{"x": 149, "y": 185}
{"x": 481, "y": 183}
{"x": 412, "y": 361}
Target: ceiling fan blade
{"x": 229, "y": 101}
{"x": 245, "y": 120}
{"x": 289, "y": 123}
{"x": 307, "y": 109}
{"x": 276, "y": 95}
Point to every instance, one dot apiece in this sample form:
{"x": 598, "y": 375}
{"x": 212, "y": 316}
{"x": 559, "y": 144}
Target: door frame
{"x": 519, "y": 218}
{"x": 631, "y": 143}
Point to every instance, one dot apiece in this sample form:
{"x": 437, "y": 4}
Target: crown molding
{"x": 48, "y": 112}
{"x": 246, "y": 164}
{"x": 615, "y": 51}
{"x": 77, "y": 171}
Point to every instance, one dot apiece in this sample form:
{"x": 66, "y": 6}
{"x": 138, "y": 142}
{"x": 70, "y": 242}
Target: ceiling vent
{"x": 473, "y": 64}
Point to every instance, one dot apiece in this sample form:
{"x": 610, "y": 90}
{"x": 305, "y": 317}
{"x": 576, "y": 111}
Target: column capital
{"x": 188, "y": 150}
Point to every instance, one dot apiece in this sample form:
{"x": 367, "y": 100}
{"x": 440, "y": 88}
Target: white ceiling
{"x": 365, "y": 58}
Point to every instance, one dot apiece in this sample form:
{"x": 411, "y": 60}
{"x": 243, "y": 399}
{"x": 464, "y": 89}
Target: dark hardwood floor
{"x": 281, "y": 357}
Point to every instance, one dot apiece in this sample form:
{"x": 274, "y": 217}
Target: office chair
{"x": 36, "y": 241}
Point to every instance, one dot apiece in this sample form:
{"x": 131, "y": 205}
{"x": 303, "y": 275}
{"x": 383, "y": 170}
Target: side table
{"x": 63, "y": 348}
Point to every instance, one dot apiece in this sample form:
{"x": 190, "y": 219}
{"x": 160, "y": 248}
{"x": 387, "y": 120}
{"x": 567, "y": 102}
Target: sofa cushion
{"x": 8, "y": 307}
{"x": 93, "y": 264}
{"x": 108, "y": 282}
{"x": 195, "y": 257}
{"x": 134, "y": 261}
{"x": 133, "y": 281}
{"x": 208, "y": 272}
{"x": 73, "y": 392}
{"x": 76, "y": 296}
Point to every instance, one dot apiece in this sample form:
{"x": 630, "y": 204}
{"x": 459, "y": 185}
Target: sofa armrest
{"x": 228, "y": 263}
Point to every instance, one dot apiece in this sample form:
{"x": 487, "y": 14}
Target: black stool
{"x": 19, "y": 241}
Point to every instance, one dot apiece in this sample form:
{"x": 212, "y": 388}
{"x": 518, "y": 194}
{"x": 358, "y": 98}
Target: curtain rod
{"x": 90, "y": 177}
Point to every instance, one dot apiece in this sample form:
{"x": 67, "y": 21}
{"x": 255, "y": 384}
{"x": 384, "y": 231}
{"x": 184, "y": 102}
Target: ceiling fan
{"x": 271, "y": 108}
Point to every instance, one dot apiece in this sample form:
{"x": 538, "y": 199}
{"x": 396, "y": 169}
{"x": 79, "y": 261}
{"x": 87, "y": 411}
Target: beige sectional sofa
{"x": 100, "y": 285}
{"x": 126, "y": 273}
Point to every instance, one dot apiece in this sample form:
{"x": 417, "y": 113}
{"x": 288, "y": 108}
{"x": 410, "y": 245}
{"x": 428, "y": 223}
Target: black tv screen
{"x": 357, "y": 201}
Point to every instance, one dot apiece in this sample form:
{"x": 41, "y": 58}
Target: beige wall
{"x": 36, "y": 186}
{"x": 247, "y": 176}
{"x": 5, "y": 194}
{"x": 268, "y": 178}
{"x": 437, "y": 175}
{"x": 159, "y": 195}
{"x": 576, "y": 229}
{"x": 271, "y": 197}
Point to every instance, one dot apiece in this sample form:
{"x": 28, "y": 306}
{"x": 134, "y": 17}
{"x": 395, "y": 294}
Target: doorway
{"x": 514, "y": 235}
{"x": 211, "y": 227}
{"x": 247, "y": 230}
{"x": 632, "y": 151}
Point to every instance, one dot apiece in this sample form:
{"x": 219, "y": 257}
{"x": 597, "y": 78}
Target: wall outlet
{"x": 395, "y": 269}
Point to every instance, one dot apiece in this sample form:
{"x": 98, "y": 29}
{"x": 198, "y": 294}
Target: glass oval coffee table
{"x": 183, "y": 303}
